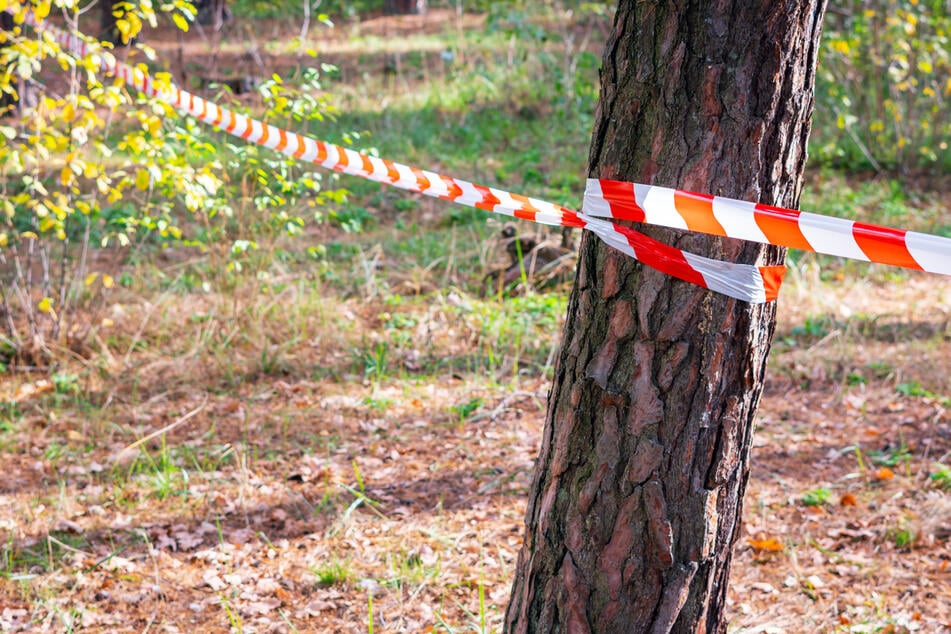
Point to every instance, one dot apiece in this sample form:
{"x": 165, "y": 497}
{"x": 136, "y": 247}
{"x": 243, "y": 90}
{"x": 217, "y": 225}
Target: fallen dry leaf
{"x": 29, "y": 390}
{"x": 884, "y": 473}
{"x": 770, "y": 545}
{"x": 847, "y": 499}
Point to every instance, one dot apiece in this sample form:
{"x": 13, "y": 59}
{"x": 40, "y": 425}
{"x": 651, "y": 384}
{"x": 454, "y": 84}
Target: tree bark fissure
{"x": 637, "y": 495}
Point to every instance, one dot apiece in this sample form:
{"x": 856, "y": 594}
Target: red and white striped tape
{"x": 721, "y": 216}
{"x": 749, "y": 283}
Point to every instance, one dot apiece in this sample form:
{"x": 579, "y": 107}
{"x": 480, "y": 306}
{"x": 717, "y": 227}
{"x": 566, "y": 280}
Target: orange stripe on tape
{"x": 781, "y": 226}
{"x": 391, "y": 171}
{"x": 697, "y": 212}
{"x": 248, "y": 128}
{"x": 454, "y": 191}
{"x": 772, "y": 280}
{"x": 301, "y": 146}
{"x": 232, "y": 121}
{"x": 490, "y": 200}
{"x": 421, "y": 180}
{"x": 264, "y": 134}
{"x": 528, "y": 210}
{"x": 883, "y": 244}
{"x": 367, "y": 165}
{"x": 282, "y": 143}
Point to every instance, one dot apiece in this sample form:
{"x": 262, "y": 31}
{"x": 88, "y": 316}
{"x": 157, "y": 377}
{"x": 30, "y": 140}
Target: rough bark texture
{"x": 638, "y": 489}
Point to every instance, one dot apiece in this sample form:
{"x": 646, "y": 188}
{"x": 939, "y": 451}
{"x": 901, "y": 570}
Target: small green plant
{"x": 336, "y": 571}
{"x": 463, "y": 411}
{"x": 902, "y": 537}
{"x": 64, "y": 383}
{"x": 891, "y": 456}
{"x": 815, "y": 327}
{"x": 233, "y": 616}
{"x": 819, "y": 496}
{"x": 375, "y": 362}
{"x": 941, "y": 476}
{"x": 165, "y": 477}
{"x": 370, "y": 610}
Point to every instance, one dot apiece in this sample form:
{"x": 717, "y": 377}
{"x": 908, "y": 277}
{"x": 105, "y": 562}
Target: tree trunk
{"x": 213, "y": 13}
{"x": 108, "y": 29}
{"x": 404, "y": 7}
{"x": 637, "y": 495}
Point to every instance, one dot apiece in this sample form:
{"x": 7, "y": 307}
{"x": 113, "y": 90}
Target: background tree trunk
{"x": 637, "y": 495}
{"x": 108, "y": 31}
{"x": 213, "y": 13}
{"x": 404, "y": 7}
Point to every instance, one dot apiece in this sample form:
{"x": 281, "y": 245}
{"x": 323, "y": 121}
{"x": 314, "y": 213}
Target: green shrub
{"x": 883, "y": 84}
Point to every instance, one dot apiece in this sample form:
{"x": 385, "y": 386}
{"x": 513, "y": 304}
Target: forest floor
{"x": 350, "y": 449}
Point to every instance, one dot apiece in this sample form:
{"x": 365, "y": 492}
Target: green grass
{"x": 819, "y": 496}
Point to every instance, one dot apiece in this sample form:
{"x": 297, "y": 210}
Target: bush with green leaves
{"x": 95, "y": 173}
{"x": 884, "y": 85}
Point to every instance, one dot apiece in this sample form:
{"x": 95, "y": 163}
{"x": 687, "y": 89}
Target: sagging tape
{"x": 751, "y": 283}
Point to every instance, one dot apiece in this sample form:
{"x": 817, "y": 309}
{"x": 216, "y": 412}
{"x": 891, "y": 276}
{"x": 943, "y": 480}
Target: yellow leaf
{"x": 91, "y": 278}
{"x": 42, "y": 9}
{"x": 142, "y": 179}
{"x": 107, "y": 281}
{"x": 45, "y": 305}
{"x": 925, "y": 67}
{"x": 3, "y": 240}
{"x": 180, "y": 21}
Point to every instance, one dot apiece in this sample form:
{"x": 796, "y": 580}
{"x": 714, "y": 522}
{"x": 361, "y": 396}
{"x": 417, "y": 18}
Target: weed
{"x": 891, "y": 456}
{"x": 374, "y": 361}
{"x": 902, "y": 537}
{"x": 370, "y": 610}
{"x": 65, "y": 383}
{"x": 463, "y": 411}
{"x": 233, "y": 617}
{"x": 378, "y": 404}
{"x": 819, "y": 496}
{"x": 855, "y": 378}
{"x": 941, "y": 477}
{"x": 336, "y": 571}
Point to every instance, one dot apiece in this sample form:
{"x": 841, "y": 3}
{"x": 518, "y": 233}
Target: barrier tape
{"x": 751, "y": 283}
{"x": 732, "y": 218}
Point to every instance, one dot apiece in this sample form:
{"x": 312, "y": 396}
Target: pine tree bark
{"x": 637, "y": 495}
